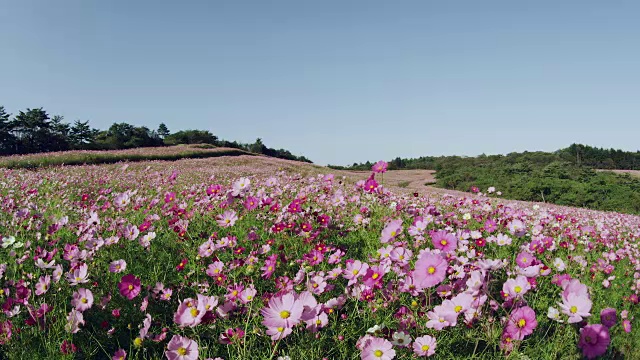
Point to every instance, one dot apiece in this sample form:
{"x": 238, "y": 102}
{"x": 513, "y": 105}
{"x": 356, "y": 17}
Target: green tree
{"x": 32, "y": 130}
{"x": 163, "y": 131}
{"x": 7, "y": 139}
{"x": 82, "y": 136}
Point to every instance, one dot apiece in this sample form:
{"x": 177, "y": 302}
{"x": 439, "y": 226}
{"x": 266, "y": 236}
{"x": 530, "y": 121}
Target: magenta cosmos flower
{"x": 119, "y": 355}
{"x": 594, "y": 340}
{"x": 608, "y": 317}
{"x": 282, "y": 312}
{"x": 378, "y": 349}
{"x": 444, "y": 241}
{"x": 129, "y": 286}
{"x": 379, "y": 167}
{"x": 431, "y": 269}
{"x": 521, "y": 323}
{"x": 424, "y": 345}
{"x": 181, "y": 348}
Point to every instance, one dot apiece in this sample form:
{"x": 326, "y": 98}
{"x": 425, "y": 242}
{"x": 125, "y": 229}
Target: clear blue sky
{"x": 337, "y": 81}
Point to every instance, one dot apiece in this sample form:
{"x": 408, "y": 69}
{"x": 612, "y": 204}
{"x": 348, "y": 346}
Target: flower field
{"x": 183, "y": 260}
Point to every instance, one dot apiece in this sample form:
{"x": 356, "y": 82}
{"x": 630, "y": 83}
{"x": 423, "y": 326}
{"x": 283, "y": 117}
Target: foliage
{"x": 557, "y": 177}
{"x": 34, "y": 131}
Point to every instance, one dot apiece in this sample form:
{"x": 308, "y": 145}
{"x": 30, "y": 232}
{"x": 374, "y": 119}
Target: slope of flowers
{"x": 162, "y": 262}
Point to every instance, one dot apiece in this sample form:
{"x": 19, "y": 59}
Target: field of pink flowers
{"x": 180, "y": 260}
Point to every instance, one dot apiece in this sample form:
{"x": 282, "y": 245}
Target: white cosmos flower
{"x": 375, "y": 329}
{"x": 400, "y": 338}
{"x": 8, "y": 241}
{"x": 554, "y": 314}
{"x": 559, "y": 264}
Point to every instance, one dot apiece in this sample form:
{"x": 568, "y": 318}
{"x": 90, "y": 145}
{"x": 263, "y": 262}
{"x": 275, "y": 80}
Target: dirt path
{"x": 403, "y": 180}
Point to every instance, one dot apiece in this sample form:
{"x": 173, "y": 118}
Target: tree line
{"x": 35, "y": 131}
{"x": 575, "y": 154}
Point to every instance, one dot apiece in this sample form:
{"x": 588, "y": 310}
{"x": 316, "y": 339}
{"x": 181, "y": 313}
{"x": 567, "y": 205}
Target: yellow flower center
{"x": 517, "y": 289}
{"x": 235, "y": 293}
{"x": 318, "y": 322}
{"x": 280, "y": 329}
{"x": 84, "y": 300}
{"x": 285, "y": 314}
{"x": 522, "y": 323}
{"x": 137, "y": 342}
{"x": 458, "y": 308}
{"x": 431, "y": 270}
{"x": 378, "y": 353}
{"x": 443, "y": 242}
{"x": 355, "y": 272}
{"x": 393, "y": 233}
{"x": 574, "y": 309}
{"x": 524, "y": 259}
{"x": 425, "y": 347}
{"x": 375, "y": 276}
{"x": 194, "y": 312}
{"x": 182, "y": 351}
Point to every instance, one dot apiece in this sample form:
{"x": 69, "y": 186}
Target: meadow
{"x": 252, "y": 258}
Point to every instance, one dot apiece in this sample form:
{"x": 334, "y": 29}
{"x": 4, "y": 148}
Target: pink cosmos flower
{"x": 240, "y": 186}
{"x": 574, "y": 286}
{"x": 117, "y": 266}
{"x": 576, "y": 306}
{"x": 282, "y": 312}
{"x": 377, "y": 349}
{"x": 181, "y": 348}
{"x": 424, "y": 345}
{"x": 521, "y": 323}
{"x": 354, "y": 270}
{"x": 79, "y": 275}
{"x": 380, "y": 167}
{"x": 82, "y": 300}
{"x": 227, "y": 219}
{"x": 444, "y": 241}
{"x": 248, "y": 294}
{"x": 119, "y": 355}
{"x": 431, "y": 269}
{"x": 626, "y": 325}
{"x": 190, "y": 312}
{"x": 524, "y": 259}
{"x": 74, "y": 320}
{"x": 317, "y": 285}
{"x": 516, "y": 288}
{"x": 391, "y": 231}
{"x": 441, "y": 317}
{"x": 42, "y": 286}
{"x": 129, "y": 286}
{"x": 594, "y": 340}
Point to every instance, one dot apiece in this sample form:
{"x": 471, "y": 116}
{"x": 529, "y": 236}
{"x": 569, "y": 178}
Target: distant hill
{"x": 565, "y": 177}
{"x": 34, "y": 131}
